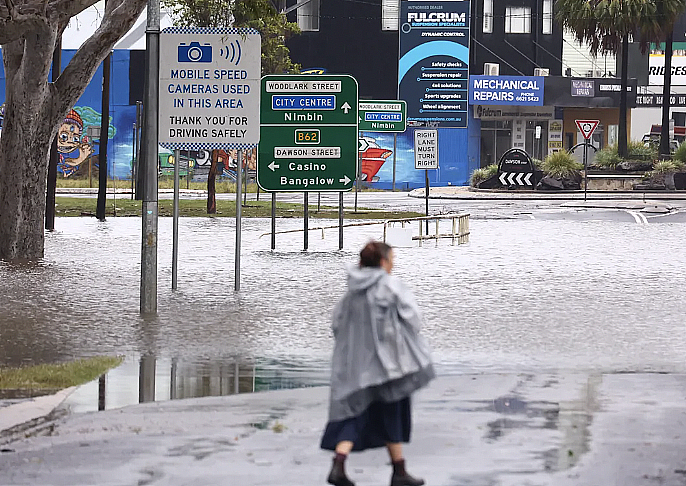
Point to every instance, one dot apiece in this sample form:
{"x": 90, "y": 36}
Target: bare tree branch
{"x": 65, "y": 9}
{"x": 17, "y": 20}
{"x": 120, "y": 15}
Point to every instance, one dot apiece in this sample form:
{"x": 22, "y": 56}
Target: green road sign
{"x": 308, "y": 133}
{"x": 382, "y": 116}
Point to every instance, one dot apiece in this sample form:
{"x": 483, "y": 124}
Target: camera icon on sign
{"x": 194, "y": 52}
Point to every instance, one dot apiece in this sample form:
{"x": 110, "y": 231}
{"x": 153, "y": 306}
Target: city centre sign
{"x": 308, "y": 133}
{"x": 382, "y": 116}
{"x": 209, "y": 88}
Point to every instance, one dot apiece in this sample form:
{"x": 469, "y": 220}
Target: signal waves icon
{"x": 232, "y": 52}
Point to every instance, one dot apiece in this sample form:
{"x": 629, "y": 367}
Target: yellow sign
{"x": 311, "y": 136}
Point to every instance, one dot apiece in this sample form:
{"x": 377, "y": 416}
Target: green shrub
{"x": 607, "y": 158}
{"x": 561, "y": 164}
{"x": 480, "y": 175}
{"x": 639, "y": 151}
{"x": 665, "y": 167}
{"x": 680, "y": 153}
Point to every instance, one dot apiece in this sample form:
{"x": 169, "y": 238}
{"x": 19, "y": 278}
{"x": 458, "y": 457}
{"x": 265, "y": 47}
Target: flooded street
{"x": 522, "y": 296}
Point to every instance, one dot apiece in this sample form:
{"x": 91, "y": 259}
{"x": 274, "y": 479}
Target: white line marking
{"x": 640, "y": 219}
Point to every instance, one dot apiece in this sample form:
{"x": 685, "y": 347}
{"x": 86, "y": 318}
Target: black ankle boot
{"x": 337, "y": 475}
{"x": 402, "y": 478}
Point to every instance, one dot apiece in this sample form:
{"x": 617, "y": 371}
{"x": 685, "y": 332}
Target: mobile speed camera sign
{"x": 209, "y": 88}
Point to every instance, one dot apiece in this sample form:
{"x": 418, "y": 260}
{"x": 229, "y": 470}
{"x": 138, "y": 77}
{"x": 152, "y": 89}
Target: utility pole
{"x": 149, "y": 209}
{"x": 104, "y": 137}
{"x": 54, "y": 154}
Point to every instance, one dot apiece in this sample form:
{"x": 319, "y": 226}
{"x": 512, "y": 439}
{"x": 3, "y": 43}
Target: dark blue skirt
{"x": 378, "y": 425}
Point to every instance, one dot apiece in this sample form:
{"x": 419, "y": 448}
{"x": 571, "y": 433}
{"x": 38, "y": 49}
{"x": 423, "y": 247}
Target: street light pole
{"x": 149, "y": 209}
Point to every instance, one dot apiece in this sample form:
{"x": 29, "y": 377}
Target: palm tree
{"x": 607, "y": 25}
{"x": 660, "y": 28}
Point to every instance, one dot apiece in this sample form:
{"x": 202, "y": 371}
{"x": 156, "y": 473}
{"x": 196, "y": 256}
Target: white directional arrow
{"x": 346, "y": 107}
{"x": 273, "y": 166}
{"x": 511, "y": 177}
{"x": 362, "y": 145}
{"x": 503, "y": 181}
{"x": 527, "y": 178}
{"x": 345, "y": 179}
{"x": 519, "y": 178}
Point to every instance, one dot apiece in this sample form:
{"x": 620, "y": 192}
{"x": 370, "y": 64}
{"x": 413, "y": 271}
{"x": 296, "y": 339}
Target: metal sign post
{"x": 175, "y": 239}
{"x": 340, "y": 220}
{"x": 585, "y": 169}
{"x": 358, "y": 168}
{"x": 237, "y": 259}
{"x": 306, "y": 218}
{"x": 586, "y": 127}
{"x": 273, "y": 220}
{"x": 210, "y": 96}
{"x": 149, "y": 208}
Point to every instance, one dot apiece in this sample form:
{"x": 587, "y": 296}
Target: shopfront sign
{"x": 513, "y": 112}
{"x": 555, "y": 135}
{"x": 583, "y": 87}
{"x": 506, "y": 90}
{"x": 656, "y": 70}
{"x": 655, "y": 100}
{"x": 433, "y": 70}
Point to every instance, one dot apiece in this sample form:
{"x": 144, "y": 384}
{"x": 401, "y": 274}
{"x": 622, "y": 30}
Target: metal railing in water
{"x": 459, "y": 233}
{"x": 459, "y": 225}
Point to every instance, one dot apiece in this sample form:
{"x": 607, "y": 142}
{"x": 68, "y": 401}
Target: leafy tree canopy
{"x": 260, "y": 15}
{"x": 603, "y": 23}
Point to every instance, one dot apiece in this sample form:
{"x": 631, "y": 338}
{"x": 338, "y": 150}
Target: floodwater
{"x": 522, "y": 296}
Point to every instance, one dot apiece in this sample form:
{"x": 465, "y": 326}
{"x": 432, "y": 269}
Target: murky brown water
{"x": 523, "y": 295}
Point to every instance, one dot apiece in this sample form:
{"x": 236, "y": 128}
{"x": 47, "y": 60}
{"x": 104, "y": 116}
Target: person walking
{"x": 379, "y": 360}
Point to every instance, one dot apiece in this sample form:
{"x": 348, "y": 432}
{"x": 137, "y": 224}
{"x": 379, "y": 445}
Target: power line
{"x": 496, "y": 55}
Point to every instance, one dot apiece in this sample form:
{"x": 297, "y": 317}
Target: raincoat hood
{"x": 361, "y": 278}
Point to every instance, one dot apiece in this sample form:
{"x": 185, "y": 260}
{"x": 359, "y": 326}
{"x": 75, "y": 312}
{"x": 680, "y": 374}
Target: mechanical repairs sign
{"x": 506, "y": 90}
{"x": 433, "y": 70}
{"x": 209, "y": 88}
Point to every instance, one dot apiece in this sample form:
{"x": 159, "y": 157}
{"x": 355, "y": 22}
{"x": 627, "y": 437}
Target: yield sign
{"x": 587, "y": 127}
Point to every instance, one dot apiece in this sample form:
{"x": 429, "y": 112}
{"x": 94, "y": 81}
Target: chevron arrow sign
{"x": 515, "y": 178}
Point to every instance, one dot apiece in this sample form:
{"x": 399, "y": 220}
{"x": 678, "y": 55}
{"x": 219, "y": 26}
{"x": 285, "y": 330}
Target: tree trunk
{"x": 24, "y": 148}
{"x": 622, "y": 143}
{"x": 211, "y": 179}
{"x": 665, "y": 150}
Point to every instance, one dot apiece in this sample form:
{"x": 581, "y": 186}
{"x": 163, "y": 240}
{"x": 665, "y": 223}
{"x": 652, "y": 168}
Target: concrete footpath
{"x": 470, "y": 430}
{"x": 468, "y": 193}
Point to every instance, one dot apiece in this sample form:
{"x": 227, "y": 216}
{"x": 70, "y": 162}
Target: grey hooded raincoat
{"x": 378, "y": 354}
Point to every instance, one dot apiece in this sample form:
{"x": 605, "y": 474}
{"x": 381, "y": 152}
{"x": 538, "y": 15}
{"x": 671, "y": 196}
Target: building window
{"x": 389, "y": 14}
{"x": 488, "y": 17}
{"x": 547, "y": 17}
{"x": 308, "y": 16}
{"x": 518, "y": 20}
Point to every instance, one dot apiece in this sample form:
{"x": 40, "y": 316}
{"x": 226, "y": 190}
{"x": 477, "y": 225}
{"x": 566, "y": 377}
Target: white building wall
{"x": 578, "y": 58}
